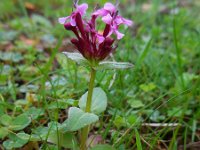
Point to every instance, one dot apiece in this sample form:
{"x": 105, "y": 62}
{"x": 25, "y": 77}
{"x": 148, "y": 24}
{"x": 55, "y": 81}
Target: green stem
{"x": 85, "y": 131}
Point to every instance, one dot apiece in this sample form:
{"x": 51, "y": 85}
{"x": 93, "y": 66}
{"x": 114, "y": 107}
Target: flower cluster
{"x": 92, "y": 44}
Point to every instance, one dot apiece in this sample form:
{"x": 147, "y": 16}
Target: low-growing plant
{"x": 94, "y": 47}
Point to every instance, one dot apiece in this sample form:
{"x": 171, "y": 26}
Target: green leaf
{"x": 132, "y": 119}
{"x": 41, "y": 132}
{"x": 9, "y": 144}
{"x": 156, "y": 117}
{"x": 99, "y": 101}
{"x": 187, "y": 79}
{"x": 59, "y": 104}
{"x": 66, "y": 140}
{"x": 34, "y": 113}
{"x": 103, "y": 147}
{"x": 175, "y": 112}
{"x": 14, "y": 142}
{"x": 11, "y": 56}
{"x": 148, "y": 87}
{"x": 135, "y": 103}
{"x": 20, "y": 122}
{"x": 3, "y": 132}
{"x": 78, "y": 119}
{"x": 114, "y": 65}
{"x": 28, "y": 137}
{"x": 56, "y": 82}
{"x": 5, "y": 120}
{"x": 77, "y": 57}
{"x": 8, "y": 35}
{"x": 119, "y": 122}
{"x": 54, "y": 134}
{"x": 53, "y": 125}
{"x": 62, "y": 60}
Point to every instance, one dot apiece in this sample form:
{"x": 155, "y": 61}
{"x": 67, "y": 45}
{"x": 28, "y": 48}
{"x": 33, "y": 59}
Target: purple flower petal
{"x": 62, "y": 20}
{"x": 100, "y": 38}
{"x": 82, "y": 8}
{"x": 119, "y": 35}
{"x": 127, "y": 22}
{"x": 73, "y": 21}
{"x": 110, "y": 7}
{"x": 101, "y": 12}
{"x": 107, "y": 19}
{"x": 118, "y": 20}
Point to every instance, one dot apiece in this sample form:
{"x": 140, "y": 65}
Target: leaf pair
{"x": 78, "y": 58}
{"x": 52, "y": 134}
{"x": 78, "y": 118}
{"x": 14, "y": 124}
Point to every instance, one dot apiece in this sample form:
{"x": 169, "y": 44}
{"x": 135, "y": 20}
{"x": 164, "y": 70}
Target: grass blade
{"x": 138, "y": 141}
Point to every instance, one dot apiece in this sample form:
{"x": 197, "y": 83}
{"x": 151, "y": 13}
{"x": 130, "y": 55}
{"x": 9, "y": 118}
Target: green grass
{"x": 163, "y": 46}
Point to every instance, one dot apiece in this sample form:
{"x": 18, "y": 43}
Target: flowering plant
{"x": 94, "y": 47}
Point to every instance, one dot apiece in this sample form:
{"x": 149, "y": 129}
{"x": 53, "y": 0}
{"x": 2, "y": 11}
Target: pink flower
{"x": 111, "y": 17}
{"x": 93, "y": 45}
{"x": 81, "y": 9}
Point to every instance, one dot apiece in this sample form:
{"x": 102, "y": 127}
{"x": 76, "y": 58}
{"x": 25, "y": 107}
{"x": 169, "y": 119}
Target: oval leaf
{"x": 114, "y": 65}
{"x": 77, "y": 57}
{"x": 99, "y": 101}
{"x": 20, "y": 122}
{"x": 5, "y": 119}
{"x": 136, "y": 103}
{"x": 78, "y": 119}
{"x": 34, "y": 113}
{"x": 3, "y": 132}
{"x": 15, "y": 142}
{"x": 28, "y": 137}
